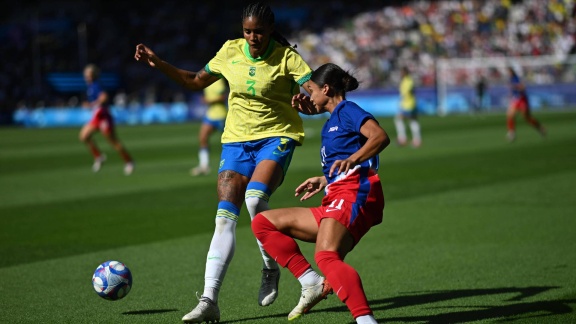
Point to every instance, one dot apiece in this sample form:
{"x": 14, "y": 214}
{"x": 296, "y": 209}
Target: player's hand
{"x": 342, "y": 166}
{"x": 146, "y": 55}
{"x": 311, "y": 186}
{"x": 302, "y": 103}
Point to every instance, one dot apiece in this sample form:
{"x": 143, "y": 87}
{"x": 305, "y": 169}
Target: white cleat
{"x": 309, "y": 298}
{"x": 268, "y": 287}
{"x": 128, "y": 168}
{"x": 511, "y": 136}
{"x": 206, "y": 311}
{"x": 199, "y": 170}
{"x": 97, "y": 165}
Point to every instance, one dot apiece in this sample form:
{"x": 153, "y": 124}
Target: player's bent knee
{"x": 261, "y": 226}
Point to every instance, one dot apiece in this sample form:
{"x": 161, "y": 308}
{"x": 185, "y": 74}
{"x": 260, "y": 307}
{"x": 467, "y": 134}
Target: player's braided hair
{"x": 339, "y": 80}
{"x": 266, "y": 15}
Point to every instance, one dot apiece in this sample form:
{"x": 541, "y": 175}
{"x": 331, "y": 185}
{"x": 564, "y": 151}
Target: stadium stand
{"x": 39, "y": 39}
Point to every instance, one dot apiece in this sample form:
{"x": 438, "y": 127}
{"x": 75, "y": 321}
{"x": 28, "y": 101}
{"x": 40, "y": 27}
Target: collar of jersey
{"x": 260, "y": 58}
{"x": 339, "y": 105}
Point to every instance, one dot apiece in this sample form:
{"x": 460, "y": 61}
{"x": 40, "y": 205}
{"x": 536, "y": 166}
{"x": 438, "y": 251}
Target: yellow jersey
{"x": 407, "y": 97}
{"x": 261, "y": 90}
{"x": 212, "y": 94}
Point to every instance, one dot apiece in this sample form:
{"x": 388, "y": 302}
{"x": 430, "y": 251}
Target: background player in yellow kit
{"x": 261, "y": 133}
{"x": 214, "y": 118}
{"x": 408, "y": 110}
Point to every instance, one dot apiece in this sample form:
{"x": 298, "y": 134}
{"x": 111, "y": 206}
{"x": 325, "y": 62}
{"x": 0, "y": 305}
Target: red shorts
{"x": 356, "y": 202}
{"x": 520, "y": 104}
{"x": 102, "y": 120}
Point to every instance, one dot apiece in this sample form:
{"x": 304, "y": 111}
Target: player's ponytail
{"x": 334, "y": 76}
{"x": 265, "y": 15}
{"x": 281, "y": 39}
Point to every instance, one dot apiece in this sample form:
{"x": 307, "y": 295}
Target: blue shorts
{"x": 242, "y": 157}
{"x": 412, "y": 114}
{"x": 216, "y": 123}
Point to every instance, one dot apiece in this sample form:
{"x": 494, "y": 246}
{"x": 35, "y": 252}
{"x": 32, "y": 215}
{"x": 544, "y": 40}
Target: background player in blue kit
{"x": 354, "y": 200}
{"x": 519, "y": 103}
{"x": 98, "y": 100}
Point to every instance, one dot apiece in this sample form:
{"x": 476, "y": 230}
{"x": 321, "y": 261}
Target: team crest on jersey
{"x": 252, "y": 71}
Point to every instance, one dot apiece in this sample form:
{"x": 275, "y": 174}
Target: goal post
{"x": 550, "y": 82}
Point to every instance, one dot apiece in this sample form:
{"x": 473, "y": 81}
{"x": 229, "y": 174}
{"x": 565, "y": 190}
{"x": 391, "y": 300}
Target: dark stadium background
{"x": 40, "y": 37}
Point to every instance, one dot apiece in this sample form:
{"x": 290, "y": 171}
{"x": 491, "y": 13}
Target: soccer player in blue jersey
{"x": 98, "y": 100}
{"x": 519, "y": 103}
{"x": 261, "y": 133}
{"x": 354, "y": 200}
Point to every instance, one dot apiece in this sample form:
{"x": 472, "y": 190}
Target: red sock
{"x": 279, "y": 246}
{"x": 93, "y": 149}
{"x": 125, "y": 156}
{"x": 532, "y": 121}
{"x": 345, "y": 281}
{"x": 510, "y": 123}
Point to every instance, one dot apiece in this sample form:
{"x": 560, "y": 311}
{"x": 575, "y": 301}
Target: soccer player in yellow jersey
{"x": 408, "y": 110}
{"x": 215, "y": 98}
{"x": 262, "y": 130}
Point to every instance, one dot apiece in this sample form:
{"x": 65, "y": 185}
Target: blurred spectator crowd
{"x": 378, "y": 43}
{"x": 374, "y": 39}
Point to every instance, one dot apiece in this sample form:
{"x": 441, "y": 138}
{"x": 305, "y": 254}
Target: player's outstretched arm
{"x": 191, "y": 80}
{"x": 311, "y": 186}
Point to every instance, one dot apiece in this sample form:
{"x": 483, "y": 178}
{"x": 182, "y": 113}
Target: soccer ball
{"x": 112, "y": 280}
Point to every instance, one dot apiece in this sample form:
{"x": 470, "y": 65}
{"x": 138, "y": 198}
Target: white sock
{"x": 310, "y": 278}
{"x": 204, "y": 157}
{"x": 366, "y": 319}
{"x": 219, "y": 256}
{"x": 400, "y": 129}
{"x": 256, "y": 205}
{"x": 415, "y": 129}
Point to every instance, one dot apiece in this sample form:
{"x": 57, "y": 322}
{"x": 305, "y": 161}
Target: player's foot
{"x": 401, "y": 142}
{"x": 206, "y": 311}
{"x": 309, "y": 298}
{"x": 542, "y": 131}
{"x": 128, "y": 168}
{"x": 200, "y": 170}
{"x": 511, "y": 136}
{"x": 416, "y": 143}
{"x": 97, "y": 165}
{"x": 268, "y": 287}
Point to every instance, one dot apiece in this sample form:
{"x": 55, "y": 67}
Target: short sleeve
{"x": 297, "y": 67}
{"x": 216, "y": 64}
{"x": 353, "y": 117}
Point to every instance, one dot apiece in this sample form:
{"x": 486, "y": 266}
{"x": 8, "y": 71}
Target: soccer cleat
{"x": 206, "y": 311}
{"x": 542, "y": 131}
{"x": 511, "y": 136}
{"x": 128, "y": 168}
{"x": 309, "y": 298}
{"x": 401, "y": 142}
{"x": 98, "y": 163}
{"x": 268, "y": 287}
{"x": 416, "y": 143}
{"x": 199, "y": 170}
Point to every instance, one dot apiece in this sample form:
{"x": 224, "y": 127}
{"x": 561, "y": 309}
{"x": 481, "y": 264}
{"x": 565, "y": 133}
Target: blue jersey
{"x": 515, "y": 81}
{"x": 93, "y": 91}
{"x": 341, "y": 137}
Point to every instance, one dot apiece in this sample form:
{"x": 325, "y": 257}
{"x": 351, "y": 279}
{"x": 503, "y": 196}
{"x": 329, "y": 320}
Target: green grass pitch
{"x": 475, "y": 229}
